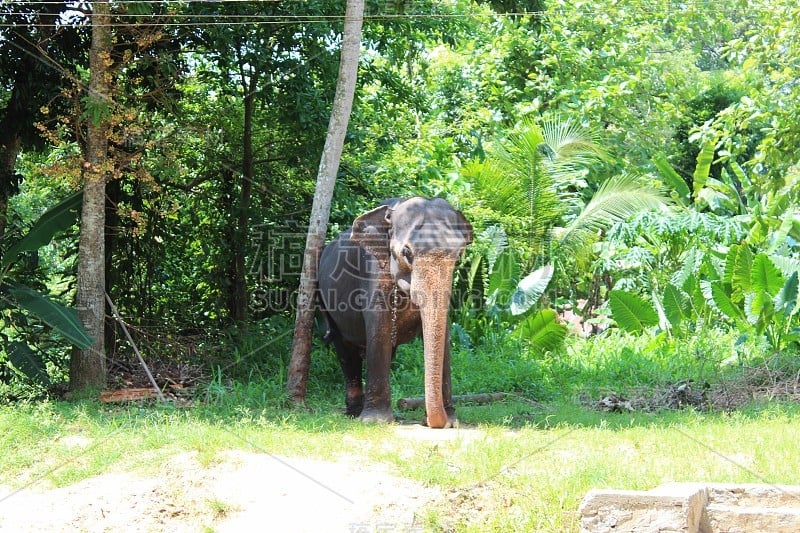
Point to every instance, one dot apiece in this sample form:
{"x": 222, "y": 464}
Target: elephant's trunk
{"x": 431, "y": 286}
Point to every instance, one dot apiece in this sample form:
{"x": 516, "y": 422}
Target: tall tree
{"x": 323, "y": 194}
{"x": 275, "y": 74}
{"x": 88, "y": 366}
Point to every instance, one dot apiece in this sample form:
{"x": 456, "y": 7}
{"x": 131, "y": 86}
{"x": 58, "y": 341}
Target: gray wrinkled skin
{"x": 389, "y": 279}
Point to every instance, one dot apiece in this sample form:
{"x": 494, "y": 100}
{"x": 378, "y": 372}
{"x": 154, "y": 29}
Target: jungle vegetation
{"x": 632, "y": 166}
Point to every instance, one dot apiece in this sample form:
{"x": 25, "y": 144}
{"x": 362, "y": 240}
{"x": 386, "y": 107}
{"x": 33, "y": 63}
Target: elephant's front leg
{"x": 378, "y": 394}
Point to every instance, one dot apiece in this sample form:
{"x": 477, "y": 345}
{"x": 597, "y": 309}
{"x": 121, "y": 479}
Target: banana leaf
{"x": 62, "y": 319}
{"x": 57, "y": 218}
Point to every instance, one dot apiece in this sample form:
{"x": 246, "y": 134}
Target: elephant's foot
{"x": 452, "y": 421}
{"x": 377, "y": 416}
{"x": 354, "y": 406}
{"x": 354, "y": 399}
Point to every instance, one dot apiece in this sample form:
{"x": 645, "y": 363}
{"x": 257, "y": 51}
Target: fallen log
{"x": 127, "y": 395}
{"x": 407, "y": 404}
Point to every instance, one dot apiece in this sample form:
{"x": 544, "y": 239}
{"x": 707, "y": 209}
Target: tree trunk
{"x": 4, "y": 196}
{"x": 238, "y": 288}
{"x": 320, "y": 210}
{"x": 88, "y": 367}
{"x": 9, "y": 181}
{"x": 11, "y": 126}
{"x": 113, "y": 278}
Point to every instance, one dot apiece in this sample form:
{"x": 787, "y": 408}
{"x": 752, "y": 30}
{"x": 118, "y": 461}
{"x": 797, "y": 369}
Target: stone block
{"x": 693, "y": 508}
{"x": 673, "y": 509}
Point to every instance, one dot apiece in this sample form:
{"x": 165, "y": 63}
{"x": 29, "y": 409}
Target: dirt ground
{"x": 243, "y": 491}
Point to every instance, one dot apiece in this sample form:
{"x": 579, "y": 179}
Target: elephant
{"x": 382, "y": 283}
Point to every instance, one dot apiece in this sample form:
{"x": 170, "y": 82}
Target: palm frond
{"x": 490, "y": 182}
{"x": 571, "y": 144}
{"x": 524, "y": 145}
{"x": 532, "y": 171}
{"x": 521, "y": 181}
{"x": 618, "y": 199}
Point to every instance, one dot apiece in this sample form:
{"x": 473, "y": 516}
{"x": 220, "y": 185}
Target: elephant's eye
{"x": 408, "y": 255}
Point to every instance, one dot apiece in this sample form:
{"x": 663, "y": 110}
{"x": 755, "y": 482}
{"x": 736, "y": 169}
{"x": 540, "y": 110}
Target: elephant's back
{"x": 340, "y": 262}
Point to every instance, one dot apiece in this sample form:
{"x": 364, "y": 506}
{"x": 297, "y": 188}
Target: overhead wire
{"x": 239, "y": 19}
{"x": 250, "y": 19}
{"x": 631, "y": 3}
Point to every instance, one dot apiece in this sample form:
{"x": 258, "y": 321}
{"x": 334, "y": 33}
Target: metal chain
{"x": 394, "y": 315}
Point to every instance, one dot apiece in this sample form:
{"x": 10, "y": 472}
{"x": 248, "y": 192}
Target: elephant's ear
{"x": 466, "y": 227}
{"x": 371, "y": 230}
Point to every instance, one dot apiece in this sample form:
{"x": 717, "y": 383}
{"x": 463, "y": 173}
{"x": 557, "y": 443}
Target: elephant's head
{"x": 421, "y": 239}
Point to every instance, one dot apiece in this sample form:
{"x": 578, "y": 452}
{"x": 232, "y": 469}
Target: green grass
{"x": 525, "y": 467}
{"x": 533, "y": 478}
{"x": 522, "y": 464}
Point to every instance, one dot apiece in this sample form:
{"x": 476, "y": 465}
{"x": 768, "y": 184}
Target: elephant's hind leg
{"x": 351, "y": 360}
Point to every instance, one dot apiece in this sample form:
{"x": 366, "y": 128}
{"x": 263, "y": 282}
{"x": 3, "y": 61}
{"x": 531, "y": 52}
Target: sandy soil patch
{"x": 242, "y": 492}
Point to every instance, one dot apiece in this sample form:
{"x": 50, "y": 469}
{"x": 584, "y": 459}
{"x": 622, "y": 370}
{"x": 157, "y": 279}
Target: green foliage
{"x": 454, "y": 100}
{"x": 631, "y": 312}
{"x": 757, "y": 53}
{"x": 765, "y": 276}
{"x": 530, "y": 289}
{"x": 703, "y": 168}
{"x": 788, "y": 298}
{"x": 622, "y": 362}
{"x": 672, "y": 179}
{"x": 535, "y": 173}
{"x": 618, "y": 199}
{"x": 96, "y": 110}
{"x": 61, "y": 319}
{"x": 749, "y": 291}
{"x": 27, "y": 361}
{"x": 542, "y": 331}
{"x": 503, "y": 279}
{"x": 54, "y": 220}
{"x": 507, "y": 298}
{"x": 538, "y": 168}
{"x": 761, "y": 301}
{"x": 475, "y": 370}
